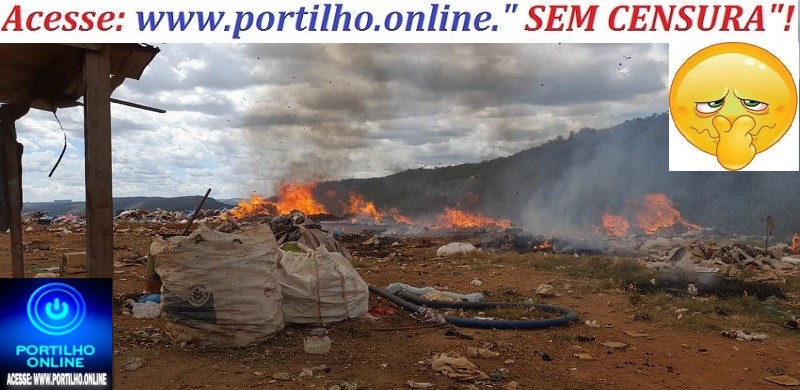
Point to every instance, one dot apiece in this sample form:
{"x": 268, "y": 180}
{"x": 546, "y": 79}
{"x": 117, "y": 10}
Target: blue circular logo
{"x": 56, "y": 309}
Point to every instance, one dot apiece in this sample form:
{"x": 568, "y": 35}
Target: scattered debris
{"x": 38, "y": 246}
{"x": 481, "y": 352}
{"x": 146, "y": 309}
{"x": 457, "y": 367}
{"x": 317, "y": 345}
{"x": 742, "y": 336}
{"x": 592, "y": 324}
{"x": 309, "y": 371}
{"x": 455, "y": 247}
{"x": 614, "y": 345}
{"x": 133, "y": 364}
{"x": 792, "y": 323}
{"x": 635, "y": 333}
{"x": 513, "y": 385}
{"x": 418, "y": 385}
{"x": 544, "y": 290}
{"x": 783, "y": 380}
{"x": 282, "y": 376}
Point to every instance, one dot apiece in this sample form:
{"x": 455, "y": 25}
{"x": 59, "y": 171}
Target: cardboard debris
{"x": 783, "y": 380}
{"x": 481, "y": 352}
{"x": 309, "y": 371}
{"x": 544, "y": 290}
{"x": 457, "y": 367}
{"x": 418, "y": 385}
{"x": 766, "y": 277}
{"x": 583, "y": 356}
{"x": 513, "y": 385}
{"x": 635, "y": 333}
{"x": 614, "y": 344}
{"x": 133, "y": 364}
{"x": 742, "y": 336}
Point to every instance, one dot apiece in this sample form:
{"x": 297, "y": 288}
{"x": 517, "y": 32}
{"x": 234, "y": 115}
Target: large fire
{"x": 361, "y": 207}
{"x": 291, "y": 196}
{"x": 795, "y": 246}
{"x": 462, "y": 219}
{"x": 650, "y": 213}
{"x": 615, "y": 225}
{"x": 399, "y": 218}
{"x": 256, "y": 205}
{"x": 655, "y": 211}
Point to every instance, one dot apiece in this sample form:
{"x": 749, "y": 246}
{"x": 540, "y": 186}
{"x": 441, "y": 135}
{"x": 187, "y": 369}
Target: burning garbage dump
{"x": 649, "y": 213}
{"x": 291, "y": 196}
{"x": 358, "y": 210}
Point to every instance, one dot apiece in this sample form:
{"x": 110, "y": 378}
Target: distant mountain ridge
{"x": 566, "y": 184}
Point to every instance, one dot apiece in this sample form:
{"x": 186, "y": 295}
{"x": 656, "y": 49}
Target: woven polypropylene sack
{"x": 220, "y": 289}
{"x": 320, "y": 287}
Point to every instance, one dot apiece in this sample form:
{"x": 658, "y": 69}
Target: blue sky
{"x": 241, "y": 118}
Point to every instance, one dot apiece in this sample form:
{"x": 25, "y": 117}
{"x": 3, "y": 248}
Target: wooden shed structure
{"x": 52, "y": 76}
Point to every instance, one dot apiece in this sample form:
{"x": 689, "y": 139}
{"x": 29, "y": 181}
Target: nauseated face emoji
{"x": 733, "y": 100}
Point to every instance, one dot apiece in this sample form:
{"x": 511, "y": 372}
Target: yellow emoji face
{"x": 733, "y": 100}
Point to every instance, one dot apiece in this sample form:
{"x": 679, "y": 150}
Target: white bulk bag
{"x": 320, "y": 287}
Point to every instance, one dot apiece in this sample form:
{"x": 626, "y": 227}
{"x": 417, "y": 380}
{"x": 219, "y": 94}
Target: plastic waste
{"x": 146, "y": 310}
{"x": 155, "y": 298}
{"x": 395, "y": 288}
{"x": 317, "y": 345}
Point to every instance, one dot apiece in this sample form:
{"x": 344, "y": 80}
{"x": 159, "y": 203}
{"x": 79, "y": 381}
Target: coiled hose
{"x": 415, "y": 304}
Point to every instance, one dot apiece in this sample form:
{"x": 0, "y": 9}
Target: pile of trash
{"x": 730, "y": 257}
{"x": 160, "y": 216}
{"x": 238, "y": 289}
{"x": 42, "y": 218}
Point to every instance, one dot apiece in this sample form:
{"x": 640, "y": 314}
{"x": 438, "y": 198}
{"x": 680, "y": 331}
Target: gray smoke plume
{"x": 325, "y": 112}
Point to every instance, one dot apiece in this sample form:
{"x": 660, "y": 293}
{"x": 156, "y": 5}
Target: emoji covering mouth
{"x": 733, "y": 100}
{"x": 735, "y": 148}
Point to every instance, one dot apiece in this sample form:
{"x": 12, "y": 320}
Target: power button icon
{"x": 56, "y": 309}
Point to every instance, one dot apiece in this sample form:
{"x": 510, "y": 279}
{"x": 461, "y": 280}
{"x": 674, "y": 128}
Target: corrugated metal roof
{"x": 51, "y": 74}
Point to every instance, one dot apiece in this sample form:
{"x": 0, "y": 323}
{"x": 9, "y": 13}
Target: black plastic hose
{"x": 414, "y": 304}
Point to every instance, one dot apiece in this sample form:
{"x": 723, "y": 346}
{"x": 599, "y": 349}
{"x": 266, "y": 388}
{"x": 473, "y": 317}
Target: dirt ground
{"x": 675, "y": 353}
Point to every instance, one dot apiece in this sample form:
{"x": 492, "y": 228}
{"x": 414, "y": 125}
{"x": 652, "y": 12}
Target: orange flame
{"x": 291, "y": 196}
{"x": 462, "y": 219}
{"x": 545, "y": 246}
{"x": 364, "y": 208}
{"x": 400, "y": 218}
{"x": 615, "y": 225}
{"x": 361, "y": 207}
{"x": 295, "y": 196}
{"x": 795, "y": 246}
{"x": 656, "y": 212}
{"x": 256, "y": 205}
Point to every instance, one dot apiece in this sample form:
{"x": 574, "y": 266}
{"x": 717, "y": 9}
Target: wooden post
{"x": 11, "y": 153}
{"x": 97, "y": 138}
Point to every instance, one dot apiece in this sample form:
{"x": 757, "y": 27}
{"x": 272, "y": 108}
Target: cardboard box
{"x": 73, "y": 262}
